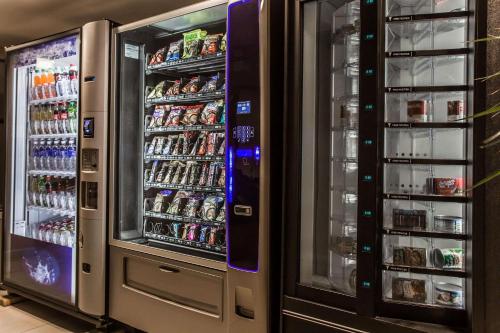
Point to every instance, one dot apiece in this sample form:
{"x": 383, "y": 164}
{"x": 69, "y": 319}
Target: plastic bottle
{"x": 34, "y": 156}
{"x": 72, "y": 117}
{"x": 36, "y": 84}
{"x": 63, "y": 118}
{"x": 41, "y": 191}
{"x": 71, "y": 155}
{"x": 73, "y": 77}
{"x": 45, "y": 84}
{"x": 33, "y": 118}
{"x": 66, "y": 85}
{"x": 51, "y": 81}
{"x": 58, "y": 76}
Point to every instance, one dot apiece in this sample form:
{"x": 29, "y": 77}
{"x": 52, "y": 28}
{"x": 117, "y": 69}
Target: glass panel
{"x": 330, "y": 145}
{"x": 423, "y": 289}
{"x": 43, "y": 84}
{"x": 436, "y": 143}
{"x": 428, "y": 216}
{"x": 442, "y": 180}
{"x": 426, "y": 35}
{"x": 172, "y": 134}
{"x": 414, "y": 7}
{"x": 434, "y": 107}
{"x": 426, "y": 71}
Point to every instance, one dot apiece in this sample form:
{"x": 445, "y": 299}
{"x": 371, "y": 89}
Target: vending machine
{"x": 189, "y": 170}
{"x": 383, "y": 226}
{"x": 54, "y": 230}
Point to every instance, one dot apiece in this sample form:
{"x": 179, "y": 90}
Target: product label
{"x": 131, "y": 51}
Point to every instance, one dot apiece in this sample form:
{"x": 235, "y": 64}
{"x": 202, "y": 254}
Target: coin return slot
{"x": 243, "y": 210}
{"x": 89, "y": 195}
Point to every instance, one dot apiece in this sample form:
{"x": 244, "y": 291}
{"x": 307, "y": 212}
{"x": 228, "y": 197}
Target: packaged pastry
{"x": 448, "y": 223}
{"x": 192, "y": 41}
{"x": 409, "y": 256}
{"x": 211, "y": 44}
{"x": 411, "y": 290}
{"x": 174, "y": 51}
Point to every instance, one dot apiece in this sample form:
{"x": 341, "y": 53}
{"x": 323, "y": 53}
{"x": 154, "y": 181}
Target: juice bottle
{"x": 51, "y": 83}
{"x": 73, "y": 77}
{"x": 45, "y": 84}
{"x": 36, "y": 83}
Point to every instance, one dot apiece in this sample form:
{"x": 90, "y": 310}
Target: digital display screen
{"x": 88, "y": 127}
{"x": 243, "y": 107}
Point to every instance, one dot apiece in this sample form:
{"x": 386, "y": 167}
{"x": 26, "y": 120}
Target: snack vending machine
{"x": 54, "y": 235}
{"x": 187, "y": 229}
{"x": 381, "y": 216}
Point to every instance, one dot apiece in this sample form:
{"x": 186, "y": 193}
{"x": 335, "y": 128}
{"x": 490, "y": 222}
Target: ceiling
{"x": 25, "y": 20}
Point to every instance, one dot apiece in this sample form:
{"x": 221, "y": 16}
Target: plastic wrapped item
{"x": 178, "y": 203}
{"x": 211, "y": 44}
{"x": 211, "y": 112}
{"x": 192, "y": 114}
{"x": 192, "y": 42}
{"x": 158, "y": 57}
{"x": 174, "y": 51}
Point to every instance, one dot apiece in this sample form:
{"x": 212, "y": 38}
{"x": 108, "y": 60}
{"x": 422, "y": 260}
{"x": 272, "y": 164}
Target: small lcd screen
{"x": 243, "y": 107}
{"x": 88, "y": 127}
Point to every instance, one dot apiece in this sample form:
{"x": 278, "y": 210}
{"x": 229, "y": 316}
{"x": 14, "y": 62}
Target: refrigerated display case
{"x": 381, "y": 217}
{"x": 185, "y": 139}
{"x": 47, "y": 197}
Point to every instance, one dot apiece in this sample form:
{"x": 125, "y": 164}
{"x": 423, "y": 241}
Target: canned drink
{"x": 448, "y": 258}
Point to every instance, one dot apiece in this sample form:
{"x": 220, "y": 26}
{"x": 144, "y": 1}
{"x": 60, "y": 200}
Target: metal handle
{"x": 166, "y": 269}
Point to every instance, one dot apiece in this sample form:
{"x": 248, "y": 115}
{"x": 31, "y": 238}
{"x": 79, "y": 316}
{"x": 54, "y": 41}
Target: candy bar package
{"x": 178, "y": 173}
{"x": 192, "y": 114}
{"x": 212, "y": 84}
{"x": 409, "y": 256}
{"x": 178, "y": 145}
{"x": 212, "y": 143}
{"x": 193, "y": 205}
{"x": 220, "y": 237}
{"x": 222, "y": 147}
{"x": 175, "y": 88}
{"x": 222, "y": 177}
{"x": 187, "y": 172}
{"x": 163, "y": 171}
{"x": 193, "y": 232}
{"x": 159, "y": 90}
{"x": 159, "y": 116}
{"x": 159, "y": 145}
{"x": 212, "y": 236}
{"x": 151, "y": 146}
{"x": 185, "y": 229}
{"x": 187, "y": 143}
{"x": 175, "y": 230}
{"x": 213, "y": 172}
{"x": 210, "y": 207}
{"x": 174, "y": 51}
{"x": 170, "y": 172}
{"x": 162, "y": 201}
{"x": 411, "y": 290}
{"x": 169, "y": 144}
{"x": 211, "y": 44}
{"x": 203, "y": 142}
{"x": 153, "y": 171}
{"x": 222, "y": 46}
{"x": 192, "y": 41}
{"x": 211, "y": 112}
{"x": 203, "y": 174}
{"x": 174, "y": 117}
{"x": 178, "y": 203}
{"x": 194, "y": 177}
{"x": 222, "y": 213}
{"x": 158, "y": 57}
{"x": 204, "y": 231}
{"x": 194, "y": 85}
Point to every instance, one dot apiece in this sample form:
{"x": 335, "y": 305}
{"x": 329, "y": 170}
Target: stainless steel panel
{"x": 258, "y": 282}
{"x": 178, "y": 297}
{"x": 94, "y": 104}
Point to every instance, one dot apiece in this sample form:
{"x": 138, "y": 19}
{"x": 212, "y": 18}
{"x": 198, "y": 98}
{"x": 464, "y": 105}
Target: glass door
{"x": 171, "y": 134}
{"x": 329, "y": 131}
{"x": 41, "y": 186}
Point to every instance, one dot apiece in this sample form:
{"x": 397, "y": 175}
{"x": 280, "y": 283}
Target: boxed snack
{"x": 409, "y": 256}
{"x": 409, "y": 219}
{"x": 410, "y": 290}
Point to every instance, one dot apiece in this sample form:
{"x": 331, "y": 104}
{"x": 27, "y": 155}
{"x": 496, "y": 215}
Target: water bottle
{"x": 34, "y": 155}
{"x": 71, "y": 155}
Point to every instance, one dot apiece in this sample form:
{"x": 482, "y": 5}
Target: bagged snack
{"x": 210, "y": 207}
{"x": 168, "y": 146}
{"x": 174, "y": 117}
{"x": 175, "y": 88}
{"x": 185, "y": 229}
{"x": 159, "y": 145}
{"x": 193, "y": 205}
{"x": 174, "y": 51}
{"x": 204, "y": 231}
{"x": 178, "y": 145}
{"x": 178, "y": 173}
{"x": 192, "y": 41}
{"x": 222, "y": 213}
{"x": 222, "y": 147}
{"x": 212, "y": 236}
{"x": 211, "y": 112}
{"x": 158, "y": 57}
{"x": 194, "y": 177}
{"x": 175, "y": 230}
{"x": 223, "y": 43}
{"x": 192, "y": 114}
{"x": 194, "y": 85}
{"x": 153, "y": 171}
{"x": 212, "y": 84}
{"x": 162, "y": 201}
{"x": 211, "y": 44}
{"x": 178, "y": 202}
{"x": 193, "y": 232}
{"x": 222, "y": 178}
{"x": 203, "y": 174}
{"x": 159, "y": 116}
{"x": 158, "y": 91}
{"x": 170, "y": 172}
{"x": 202, "y": 148}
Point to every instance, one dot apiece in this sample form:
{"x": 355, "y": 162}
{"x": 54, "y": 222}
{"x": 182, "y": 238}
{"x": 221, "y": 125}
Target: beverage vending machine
{"x": 54, "y": 234}
{"x": 189, "y": 162}
{"x": 383, "y": 226}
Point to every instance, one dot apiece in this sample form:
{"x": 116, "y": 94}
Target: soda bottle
{"x": 42, "y": 155}
{"x": 73, "y": 77}
{"x": 55, "y": 118}
{"x": 34, "y": 155}
{"x": 41, "y": 191}
{"x": 63, "y": 118}
{"x": 33, "y": 190}
{"x": 37, "y": 85}
{"x": 66, "y": 85}
{"x": 58, "y": 76}
{"x": 45, "y": 84}
{"x": 62, "y": 194}
{"x": 72, "y": 116}
{"x": 33, "y": 116}
{"x": 48, "y": 192}
{"x": 51, "y": 81}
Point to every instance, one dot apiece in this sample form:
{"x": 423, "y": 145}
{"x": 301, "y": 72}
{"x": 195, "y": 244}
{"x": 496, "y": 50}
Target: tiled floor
{"x": 30, "y": 317}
